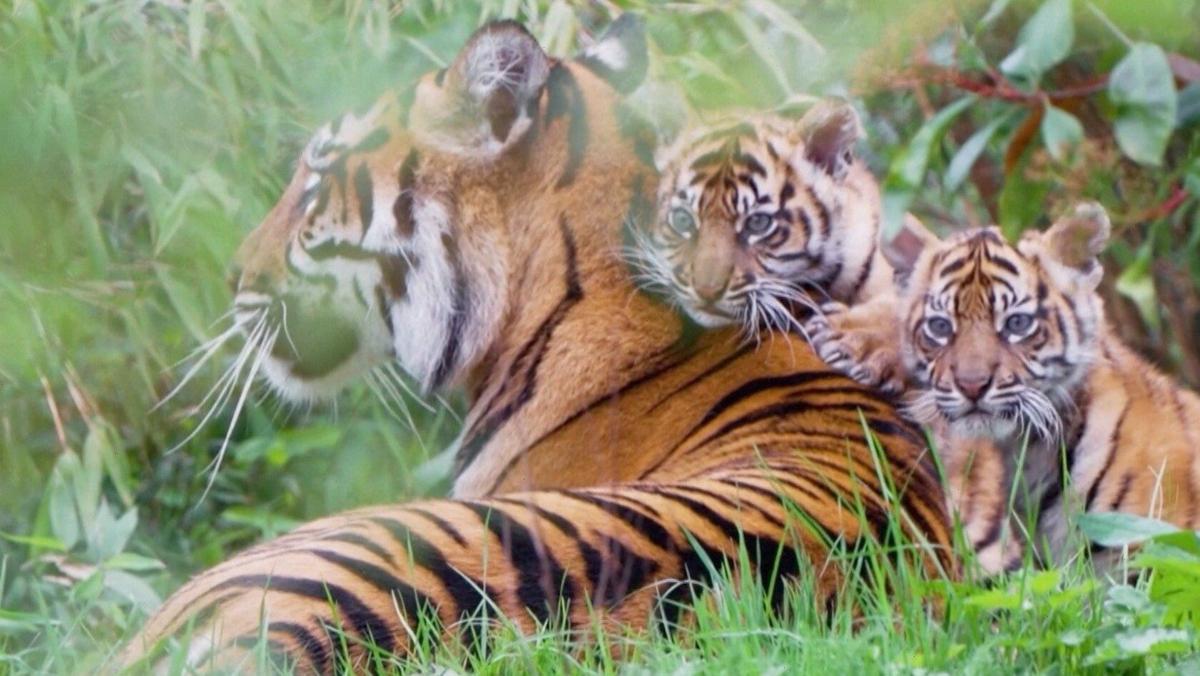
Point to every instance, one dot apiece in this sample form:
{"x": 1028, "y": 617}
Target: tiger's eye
{"x": 758, "y": 224}
{"x": 939, "y": 327}
{"x": 682, "y": 222}
{"x": 1018, "y": 324}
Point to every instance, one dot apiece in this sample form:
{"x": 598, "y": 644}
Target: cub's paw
{"x": 853, "y": 341}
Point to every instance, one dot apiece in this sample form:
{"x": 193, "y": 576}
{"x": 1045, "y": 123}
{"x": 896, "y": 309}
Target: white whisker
{"x": 262, "y": 351}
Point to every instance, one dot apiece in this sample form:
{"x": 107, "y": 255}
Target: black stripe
{"x": 1126, "y": 484}
{"x": 467, "y": 594}
{"x": 542, "y": 583}
{"x": 523, "y": 372}
{"x": 361, "y": 541}
{"x": 566, "y": 98}
{"x": 460, "y": 300}
{"x": 412, "y": 602}
{"x": 442, "y": 524}
{"x": 863, "y": 274}
{"x": 313, "y": 647}
{"x": 647, "y": 527}
{"x": 364, "y": 191}
{"x": 715, "y": 368}
{"x": 756, "y": 386}
{"x": 402, "y": 207}
{"x": 1112, "y": 446}
{"x": 367, "y": 624}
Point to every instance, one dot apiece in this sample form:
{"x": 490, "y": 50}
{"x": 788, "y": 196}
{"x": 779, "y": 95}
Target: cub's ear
{"x": 496, "y": 78}
{"x": 619, "y": 55}
{"x": 830, "y": 130}
{"x": 1076, "y": 240}
{"x": 906, "y": 247}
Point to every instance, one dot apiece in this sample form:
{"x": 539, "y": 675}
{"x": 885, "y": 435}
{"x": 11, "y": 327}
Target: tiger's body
{"x": 1040, "y": 412}
{"x": 603, "y": 457}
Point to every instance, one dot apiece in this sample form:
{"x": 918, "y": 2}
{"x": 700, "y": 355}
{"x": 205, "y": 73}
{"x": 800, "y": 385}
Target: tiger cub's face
{"x": 750, "y": 217}
{"x": 997, "y": 337}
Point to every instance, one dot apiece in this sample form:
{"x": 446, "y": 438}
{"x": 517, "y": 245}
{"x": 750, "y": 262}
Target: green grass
{"x": 140, "y": 141}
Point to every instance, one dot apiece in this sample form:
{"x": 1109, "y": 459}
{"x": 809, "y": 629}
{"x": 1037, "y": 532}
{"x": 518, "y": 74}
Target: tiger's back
{"x": 603, "y": 457}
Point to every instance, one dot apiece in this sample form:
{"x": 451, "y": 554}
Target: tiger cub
{"x": 763, "y": 219}
{"x": 1011, "y": 361}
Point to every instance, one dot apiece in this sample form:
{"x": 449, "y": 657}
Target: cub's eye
{"x": 758, "y": 224}
{"x": 1018, "y": 324}
{"x": 681, "y": 221}
{"x": 939, "y": 327}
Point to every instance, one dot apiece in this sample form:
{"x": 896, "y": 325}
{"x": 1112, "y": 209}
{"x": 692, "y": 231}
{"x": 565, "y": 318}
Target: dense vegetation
{"x": 141, "y": 139}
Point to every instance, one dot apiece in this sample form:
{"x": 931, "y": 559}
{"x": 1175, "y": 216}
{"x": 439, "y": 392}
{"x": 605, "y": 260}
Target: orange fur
{"x": 601, "y": 447}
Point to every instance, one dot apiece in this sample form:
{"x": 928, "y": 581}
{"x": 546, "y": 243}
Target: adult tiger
{"x": 1034, "y": 399}
{"x": 473, "y": 237}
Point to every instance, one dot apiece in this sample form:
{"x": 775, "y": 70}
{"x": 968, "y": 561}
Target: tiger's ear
{"x": 1076, "y": 240}
{"x": 619, "y": 55}
{"x": 903, "y": 250}
{"x": 500, "y": 74}
{"x": 830, "y": 129}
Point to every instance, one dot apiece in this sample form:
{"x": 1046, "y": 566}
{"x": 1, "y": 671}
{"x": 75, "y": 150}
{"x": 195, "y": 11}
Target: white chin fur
{"x": 709, "y": 320}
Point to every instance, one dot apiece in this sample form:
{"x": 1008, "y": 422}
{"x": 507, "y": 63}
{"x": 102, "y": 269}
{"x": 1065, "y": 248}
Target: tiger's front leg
{"x": 862, "y": 341}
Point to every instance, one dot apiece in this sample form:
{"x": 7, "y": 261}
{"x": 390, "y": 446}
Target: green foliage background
{"x": 140, "y": 140}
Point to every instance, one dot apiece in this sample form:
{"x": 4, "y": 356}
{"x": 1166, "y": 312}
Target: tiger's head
{"x": 404, "y": 231}
{"x": 998, "y": 337}
{"x": 761, "y": 217}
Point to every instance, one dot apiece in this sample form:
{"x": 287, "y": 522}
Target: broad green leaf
{"x": 133, "y": 589}
{"x": 1143, "y": 90}
{"x": 1061, "y": 132}
{"x": 1045, "y": 581}
{"x": 969, "y": 153}
{"x": 1043, "y": 42}
{"x": 1137, "y": 284}
{"x": 1116, "y": 529}
{"x": 64, "y": 519}
{"x": 1153, "y": 641}
{"x": 36, "y": 542}
{"x": 760, "y": 44}
{"x": 995, "y": 599}
{"x": 907, "y": 171}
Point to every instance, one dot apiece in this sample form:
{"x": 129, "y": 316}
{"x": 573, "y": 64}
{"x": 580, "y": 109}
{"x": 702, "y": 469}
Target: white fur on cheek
{"x": 421, "y": 319}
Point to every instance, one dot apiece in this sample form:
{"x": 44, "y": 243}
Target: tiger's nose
{"x": 710, "y": 288}
{"x": 973, "y": 385}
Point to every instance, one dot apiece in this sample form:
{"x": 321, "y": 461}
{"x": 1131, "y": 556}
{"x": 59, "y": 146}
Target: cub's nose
{"x": 973, "y": 385}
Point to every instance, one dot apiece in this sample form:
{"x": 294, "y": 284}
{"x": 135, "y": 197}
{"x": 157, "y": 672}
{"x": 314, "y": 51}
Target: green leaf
{"x": 133, "y": 589}
{"x": 36, "y": 542}
{"x": 1117, "y": 529}
{"x": 1188, "y": 110}
{"x": 907, "y": 171}
{"x": 1137, "y": 284}
{"x": 1061, "y": 132}
{"x": 64, "y": 519}
{"x": 970, "y": 151}
{"x": 1045, "y": 581}
{"x": 1143, "y": 90}
{"x": 134, "y": 563}
{"x": 1153, "y": 641}
{"x": 1043, "y": 42}
{"x": 994, "y": 11}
